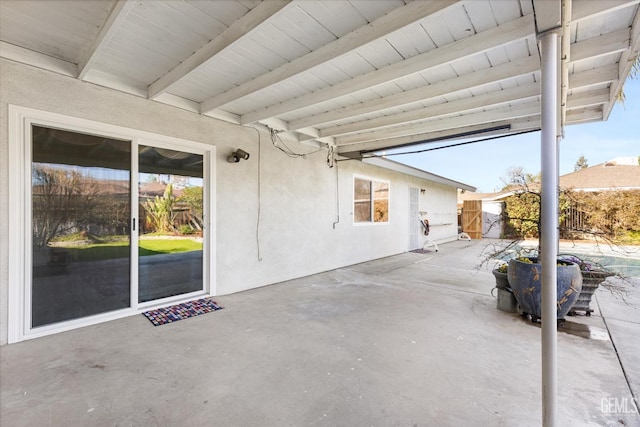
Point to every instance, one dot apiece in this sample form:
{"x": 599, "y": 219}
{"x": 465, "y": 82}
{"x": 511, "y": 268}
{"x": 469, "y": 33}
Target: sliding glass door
{"x": 89, "y": 195}
{"x": 80, "y": 200}
{"x": 170, "y": 234}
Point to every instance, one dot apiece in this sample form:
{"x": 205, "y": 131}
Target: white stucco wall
{"x": 298, "y": 197}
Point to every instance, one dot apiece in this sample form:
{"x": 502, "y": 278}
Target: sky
{"x": 484, "y": 164}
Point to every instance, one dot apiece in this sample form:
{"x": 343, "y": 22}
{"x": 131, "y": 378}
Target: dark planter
{"x": 505, "y": 299}
{"x": 502, "y": 281}
{"x": 526, "y": 282}
{"x": 590, "y": 282}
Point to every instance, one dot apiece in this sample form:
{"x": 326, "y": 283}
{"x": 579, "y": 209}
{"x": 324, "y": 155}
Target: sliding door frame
{"x": 135, "y": 175}
{"x": 21, "y": 120}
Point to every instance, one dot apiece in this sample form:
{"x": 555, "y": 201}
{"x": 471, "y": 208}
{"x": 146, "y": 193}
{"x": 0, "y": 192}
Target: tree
{"x": 192, "y": 196}
{"x": 518, "y": 176}
{"x": 160, "y": 211}
{"x": 607, "y": 214}
{"x": 522, "y": 208}
{"x": 581, "y": 163}
{"x": 63, "y": 199}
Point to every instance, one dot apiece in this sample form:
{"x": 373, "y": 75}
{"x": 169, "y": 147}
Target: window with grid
{"x": 370, "y": 200}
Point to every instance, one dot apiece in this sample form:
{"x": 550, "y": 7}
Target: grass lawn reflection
{"x": 121, "y": 249}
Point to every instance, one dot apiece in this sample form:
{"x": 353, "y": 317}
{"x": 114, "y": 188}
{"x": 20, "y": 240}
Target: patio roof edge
{"x": 419, "y": 173}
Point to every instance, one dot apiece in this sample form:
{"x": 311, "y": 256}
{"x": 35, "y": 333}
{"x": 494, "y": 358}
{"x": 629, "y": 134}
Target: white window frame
{"x": 372, "y": 200}
{"x": 19, "y": 298}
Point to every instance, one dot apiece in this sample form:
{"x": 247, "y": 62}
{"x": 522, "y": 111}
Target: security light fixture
{"x": 237, "y": 155}
{"x": 242, "y": 154}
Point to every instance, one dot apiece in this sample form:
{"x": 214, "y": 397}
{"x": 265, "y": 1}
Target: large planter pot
{"x": 525, "y": 280}
{"x": 590, "y": 282}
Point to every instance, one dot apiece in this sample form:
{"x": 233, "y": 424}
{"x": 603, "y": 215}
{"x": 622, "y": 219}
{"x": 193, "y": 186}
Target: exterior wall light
{"x": 237, "y": 155}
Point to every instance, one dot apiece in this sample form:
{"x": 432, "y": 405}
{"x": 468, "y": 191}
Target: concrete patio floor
{"x": 409, "y": 340}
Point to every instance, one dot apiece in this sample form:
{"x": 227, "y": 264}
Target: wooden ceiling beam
{"x": 439, "y": 110}
{"x": 548, "y": 14}
{"x": 585, "y": 9}
{"x": 605, "y": 44}
{"x": 225, "y": 40}
{"x": 115, "y": 19}
{"x": 393, "y": 21}
{"x": 584, "y": 115}
{"x": 495, "y": 74}
{"x": 606, "y": 74}
{"x": 503, "y": 113}
{"x": 509, "y": 32}
{"x": 588, "y": 99}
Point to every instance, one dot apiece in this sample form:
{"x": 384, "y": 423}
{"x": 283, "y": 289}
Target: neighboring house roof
{"x": 489, "y": 197}
{"x": 622, "y": 173}
{"x": 611, "y": 175}
{"x": 473, "y": 196}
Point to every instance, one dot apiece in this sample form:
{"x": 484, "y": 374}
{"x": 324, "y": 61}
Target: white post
{"x": 549, "y": 225}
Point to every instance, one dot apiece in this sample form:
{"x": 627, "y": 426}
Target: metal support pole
{"x": 549, "y": 225}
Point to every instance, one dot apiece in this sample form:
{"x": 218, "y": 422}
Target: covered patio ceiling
{"x": 359, "y": 75}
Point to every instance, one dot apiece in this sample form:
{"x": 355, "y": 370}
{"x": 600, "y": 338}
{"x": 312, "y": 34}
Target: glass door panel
{"x": 80, "y": 198}
{"x": 170, "y": 231}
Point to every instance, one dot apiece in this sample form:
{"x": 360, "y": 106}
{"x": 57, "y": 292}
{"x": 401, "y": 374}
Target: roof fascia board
{"x": 418, "y": 173}
{"x": 502, "y": 128}
{"x": 627, "y": 59}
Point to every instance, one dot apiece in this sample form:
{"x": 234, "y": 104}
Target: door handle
{"x": 134, "y": 224}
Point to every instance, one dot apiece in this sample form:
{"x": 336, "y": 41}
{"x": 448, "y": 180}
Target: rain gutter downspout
{"x": 549, "y": 222}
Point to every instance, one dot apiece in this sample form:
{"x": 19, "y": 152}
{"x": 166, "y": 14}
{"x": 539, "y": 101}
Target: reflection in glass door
{"x": 80, "y": 200}
{"x": 170, "y": 231}
{"x": 81, "y": 212}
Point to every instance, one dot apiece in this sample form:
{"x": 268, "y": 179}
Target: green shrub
{"x": 185, "y": 229}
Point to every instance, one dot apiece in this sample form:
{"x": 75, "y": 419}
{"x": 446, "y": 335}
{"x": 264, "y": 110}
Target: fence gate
{"x": 472, "y": 218}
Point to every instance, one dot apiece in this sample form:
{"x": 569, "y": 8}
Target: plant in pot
{"x": 500, "y": 273}
{"x": 525, "y": 279}
{"x": 522, "y": 213}
{"x": 593, "y": 274}
{"x": 506, "y": 301}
